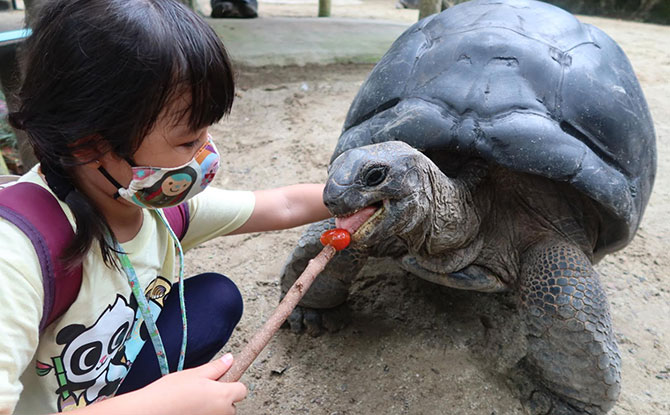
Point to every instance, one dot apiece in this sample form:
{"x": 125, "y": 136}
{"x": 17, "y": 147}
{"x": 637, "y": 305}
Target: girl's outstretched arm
{"x": 192, "y": 391}
{"x": 286, "y": 207}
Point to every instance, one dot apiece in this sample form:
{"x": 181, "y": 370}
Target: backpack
{"x": 37, "y": 213}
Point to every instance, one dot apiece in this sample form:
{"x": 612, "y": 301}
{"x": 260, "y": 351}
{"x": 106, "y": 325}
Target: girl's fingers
{"x": 214, "y": 369}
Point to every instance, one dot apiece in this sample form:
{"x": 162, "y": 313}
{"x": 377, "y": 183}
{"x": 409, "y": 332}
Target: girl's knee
{"x": 222, "y": 293}
{"x": 234, "y": 305}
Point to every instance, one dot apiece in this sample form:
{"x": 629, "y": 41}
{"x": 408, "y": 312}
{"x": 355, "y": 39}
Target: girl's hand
{"x": 196, "y": 391}
{"x": 193, "y": 391}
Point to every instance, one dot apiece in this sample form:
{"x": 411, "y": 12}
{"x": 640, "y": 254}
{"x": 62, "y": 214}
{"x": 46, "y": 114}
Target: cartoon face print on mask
{"x": 176, "y": 184}
{"x": 170, "y": 190}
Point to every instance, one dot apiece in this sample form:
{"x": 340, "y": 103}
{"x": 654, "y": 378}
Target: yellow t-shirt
{"x": 82, "y": 357}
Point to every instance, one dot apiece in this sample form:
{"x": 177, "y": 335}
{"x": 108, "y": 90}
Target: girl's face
{"x": 170, "y": 143}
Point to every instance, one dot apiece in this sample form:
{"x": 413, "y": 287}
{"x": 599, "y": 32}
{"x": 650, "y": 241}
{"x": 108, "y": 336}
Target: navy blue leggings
{"x": 213, "y": 309}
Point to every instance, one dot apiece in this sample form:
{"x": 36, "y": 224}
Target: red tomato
{"x": 338, "y": 238}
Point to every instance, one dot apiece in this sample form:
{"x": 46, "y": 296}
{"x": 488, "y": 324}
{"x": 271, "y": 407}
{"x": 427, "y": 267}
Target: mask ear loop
{"x": 111, "y": 180}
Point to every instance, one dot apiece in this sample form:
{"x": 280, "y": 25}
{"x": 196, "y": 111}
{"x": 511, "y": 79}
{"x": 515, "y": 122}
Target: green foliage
{"x": 651, "y": 11}
{"x": 660, "y": 13}
{"x": 656, "y": 11}
{"x": 7, "y": 137}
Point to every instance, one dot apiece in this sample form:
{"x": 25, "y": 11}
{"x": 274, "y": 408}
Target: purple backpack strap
{"x": 178, "y": 218}
{"x": 24, "y": 205}
{"x": 37, "y": 213}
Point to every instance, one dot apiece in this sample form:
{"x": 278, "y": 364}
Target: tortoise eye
{"x": 375, "y": 175}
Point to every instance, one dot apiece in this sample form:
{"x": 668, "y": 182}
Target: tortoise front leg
{"x": 331, "y": 287}
{"x": 570, "y": 342}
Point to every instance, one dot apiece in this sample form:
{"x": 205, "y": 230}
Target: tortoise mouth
{"x": 361, "y": 222}
{"x": 369, "y": 226}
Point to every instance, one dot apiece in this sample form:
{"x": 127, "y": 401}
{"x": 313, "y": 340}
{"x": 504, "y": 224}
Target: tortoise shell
{"x": 524, "y": 85}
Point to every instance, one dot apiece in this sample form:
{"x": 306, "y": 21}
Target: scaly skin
{"x": 485, "y": 231}
{"x": 570, "y": 343}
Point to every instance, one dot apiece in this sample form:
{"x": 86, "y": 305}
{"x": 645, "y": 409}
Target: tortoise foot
{"x": 317, "y": 321}
{"x": 543, "y": 402}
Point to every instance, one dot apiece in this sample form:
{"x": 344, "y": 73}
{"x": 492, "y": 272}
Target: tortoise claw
{"x": 317, "y": 321}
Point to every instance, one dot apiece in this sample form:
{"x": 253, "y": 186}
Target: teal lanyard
{"x": 143, "y": 304}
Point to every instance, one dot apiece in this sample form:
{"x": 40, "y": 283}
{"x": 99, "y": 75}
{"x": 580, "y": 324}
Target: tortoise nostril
{"x": 375, "y": 175}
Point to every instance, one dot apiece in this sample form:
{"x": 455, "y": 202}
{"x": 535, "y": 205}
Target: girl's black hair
{"x": 97, "y": 74}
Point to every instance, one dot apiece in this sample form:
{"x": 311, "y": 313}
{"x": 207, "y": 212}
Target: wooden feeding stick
{"x": 257, "y": 343}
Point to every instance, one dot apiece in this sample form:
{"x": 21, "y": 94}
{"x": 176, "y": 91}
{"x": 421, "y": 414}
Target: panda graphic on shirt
{"x": 95, "y": 359}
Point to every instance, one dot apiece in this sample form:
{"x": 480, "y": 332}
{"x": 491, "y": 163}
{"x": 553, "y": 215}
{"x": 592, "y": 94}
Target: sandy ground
{"x": 412, "y": 347}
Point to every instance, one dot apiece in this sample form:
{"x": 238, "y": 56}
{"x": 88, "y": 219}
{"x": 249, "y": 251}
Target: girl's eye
{"x": 191, "y": 144}
{"x": 200, "y": 137}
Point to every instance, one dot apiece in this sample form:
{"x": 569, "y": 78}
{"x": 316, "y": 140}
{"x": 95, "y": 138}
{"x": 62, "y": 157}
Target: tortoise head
{"x": 378, "y": 190}
{"x": 391, "y": 189}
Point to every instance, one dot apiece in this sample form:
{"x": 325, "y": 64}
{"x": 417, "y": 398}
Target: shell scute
{"x": 524, "y": 85}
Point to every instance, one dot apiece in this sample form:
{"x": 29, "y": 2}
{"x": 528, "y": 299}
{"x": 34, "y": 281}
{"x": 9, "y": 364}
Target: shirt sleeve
{"x": 216, "y": 212}
{"x": 22, "y": 296}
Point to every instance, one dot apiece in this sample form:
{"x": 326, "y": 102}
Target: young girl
{"x": 117, "y": 98}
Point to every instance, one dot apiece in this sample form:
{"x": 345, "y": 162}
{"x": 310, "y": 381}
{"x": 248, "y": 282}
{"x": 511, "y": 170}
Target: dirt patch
{"x": 412, "y": 347}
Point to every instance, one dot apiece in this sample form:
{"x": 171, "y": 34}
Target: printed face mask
{"x": 161, "y": 187}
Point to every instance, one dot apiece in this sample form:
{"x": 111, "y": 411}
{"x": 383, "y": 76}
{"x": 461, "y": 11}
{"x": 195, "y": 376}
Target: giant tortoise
{"x": 499, "y": 145}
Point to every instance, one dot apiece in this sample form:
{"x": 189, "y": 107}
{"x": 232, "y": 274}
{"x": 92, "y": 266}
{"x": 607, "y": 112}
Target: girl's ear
{"x": 88, "y": 150}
